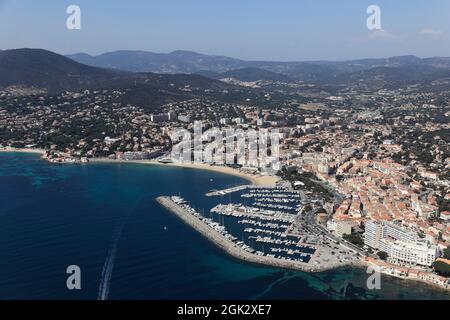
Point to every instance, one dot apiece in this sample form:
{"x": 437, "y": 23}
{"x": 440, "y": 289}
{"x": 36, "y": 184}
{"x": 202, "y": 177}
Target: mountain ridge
{"x": 320, "y": 71}
{"x": 49, "y": 71}
{"x": 45, "y": 69}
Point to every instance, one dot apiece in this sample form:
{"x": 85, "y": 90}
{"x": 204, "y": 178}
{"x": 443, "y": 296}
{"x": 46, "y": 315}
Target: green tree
{"x": 354, "y": 238}
{"x": 383, "y": 255}
{"x": 442, "y": 268}
{"x": 447, "y": 253}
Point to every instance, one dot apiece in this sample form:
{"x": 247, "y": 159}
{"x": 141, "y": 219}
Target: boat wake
{"x": 109, "y": 264}
{"x": 103, "y": 290}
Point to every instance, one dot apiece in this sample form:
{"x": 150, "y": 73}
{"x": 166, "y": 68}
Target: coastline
{"x": 409, "y": 279}
{"x": 22, "y": 150}
{"x": 254, "y": 179}
{"x": 258, "y": 180}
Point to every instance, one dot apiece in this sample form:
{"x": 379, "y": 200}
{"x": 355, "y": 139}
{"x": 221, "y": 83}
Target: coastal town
{"x": 370, "y": 170}
{"x": 218, "y": 159}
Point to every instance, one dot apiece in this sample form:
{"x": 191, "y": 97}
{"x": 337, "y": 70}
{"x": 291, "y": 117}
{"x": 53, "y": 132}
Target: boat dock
{"x": 239, "y": 210}
{"x": 223, "y": 192}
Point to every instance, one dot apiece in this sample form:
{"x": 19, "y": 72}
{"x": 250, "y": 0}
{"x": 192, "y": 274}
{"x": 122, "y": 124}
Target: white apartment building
{"x": 162, "y": 117}
{"x": 331, "y": 225}
{"x": 184, "y": 118}
{"x": 343, "y": 228}
{"x": 373, "y": 234}
{"x": 375, "y": 231}
{"x": 419, "y": 252}
{"x": 224, "y": 121}
{"x": 403, "y": 246}
{"x": 396, "y": 232}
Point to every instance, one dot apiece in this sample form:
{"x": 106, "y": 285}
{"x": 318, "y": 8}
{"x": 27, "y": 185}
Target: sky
{"x": 286, "y": 30}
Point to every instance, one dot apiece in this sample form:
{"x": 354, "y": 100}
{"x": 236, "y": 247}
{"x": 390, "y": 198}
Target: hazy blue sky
{"x": 248, "y": 29}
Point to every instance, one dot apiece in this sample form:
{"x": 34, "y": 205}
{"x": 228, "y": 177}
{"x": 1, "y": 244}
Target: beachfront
{"x": 256, "y": 179}
{"x": 22, "y": 150}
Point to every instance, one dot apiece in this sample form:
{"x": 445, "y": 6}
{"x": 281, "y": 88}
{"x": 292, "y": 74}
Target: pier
{"x": 224, "y": 192}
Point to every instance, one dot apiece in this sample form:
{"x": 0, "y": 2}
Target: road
{"x": 308, "y": 222}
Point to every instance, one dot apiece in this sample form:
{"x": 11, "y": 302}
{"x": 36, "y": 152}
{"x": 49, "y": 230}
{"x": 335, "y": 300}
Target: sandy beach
{"x": 22, "y": 150}
{"x": 259, "y": 180}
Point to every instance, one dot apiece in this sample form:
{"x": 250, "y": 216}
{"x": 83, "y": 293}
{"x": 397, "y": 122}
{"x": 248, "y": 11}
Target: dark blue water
{"x": 53, "y": 216}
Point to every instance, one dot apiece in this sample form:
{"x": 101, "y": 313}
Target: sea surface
{"x": 104, "y": 218}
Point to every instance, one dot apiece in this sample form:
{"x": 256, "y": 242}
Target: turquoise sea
{"x": 103, "y": 218}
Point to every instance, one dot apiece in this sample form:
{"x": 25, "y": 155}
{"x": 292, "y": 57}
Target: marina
{"x": 255, "y": 235}
{"x": 222, "y": 238}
